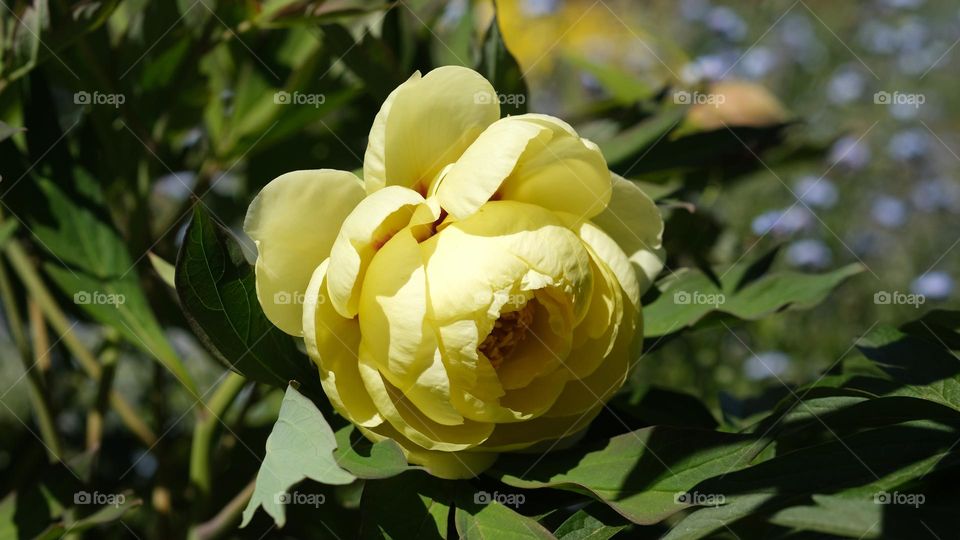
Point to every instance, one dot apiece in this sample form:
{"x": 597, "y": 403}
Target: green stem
{"x": 97, "y": 415}
{"x": 205, "y": 431}
{"x": 226, "y": 518}
{"x": 58, "y": 321}
{"x": 37, "y": 392}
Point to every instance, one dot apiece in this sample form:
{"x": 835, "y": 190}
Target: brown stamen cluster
{"x": 508, "y": 332}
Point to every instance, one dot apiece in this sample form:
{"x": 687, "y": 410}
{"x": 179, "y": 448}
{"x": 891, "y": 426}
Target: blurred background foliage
{"x": 135, "y": 110}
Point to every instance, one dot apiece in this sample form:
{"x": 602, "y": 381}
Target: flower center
{"x": 508, "y": 332}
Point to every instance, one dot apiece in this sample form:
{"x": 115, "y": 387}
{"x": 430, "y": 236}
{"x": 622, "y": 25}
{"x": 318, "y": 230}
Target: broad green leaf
{"x": 218, "y": 295}
{"x": 642, "y": 474}
{"x": 412, "y": 505}
{"x": 711, "y": 519}
{"x": 477, "y": 521}
{"x": 92, "y": 267}
{"x": 629, "y": 145}
{"x": 594, "y": 522}
{"x": 300, "y": 446}
{"x": 730, "y": 152}
{"x": 689, "y": 295}
{"x": 369, "y": 460}
{"x": 920, "y": 367}
{"x": 835, "y": 515}
{"x": 659, "y": 406}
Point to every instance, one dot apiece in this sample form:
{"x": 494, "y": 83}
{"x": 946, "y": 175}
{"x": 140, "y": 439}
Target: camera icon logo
{"x": 682, "y": 298}
{"x": 282, "y": 498}
{"x": 682, "y": 97}
{"x": 81, "y": 497}
{"x": 281, "y": 98}
{"x": 81, "y": 98}
{"x": 881, "y": 98}
{"x": 282, "y": 298}
{"x": 81, "y": 298}
{"x": 882, "y": 298}
{"x": 482, "y": 497}
{"x": 482, "y": 98}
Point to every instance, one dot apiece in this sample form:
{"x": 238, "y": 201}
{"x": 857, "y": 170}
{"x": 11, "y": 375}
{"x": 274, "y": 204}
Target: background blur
{"x": 873, "y": 83}
{"x": 164, "y": 102}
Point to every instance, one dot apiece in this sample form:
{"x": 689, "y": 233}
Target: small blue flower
{"x": 816, "y": 192}
{"x": 846, "y": 85}
{"x": 933, "y": 195}
{"x": 757, "y": 62}
{"x": 809, "y": 253}
{"x": 909, "y": 144}
{"x": 933, "y": 285}
{"x": 889, "y": 211}
{"x": 782, "y": 222}
{"x": 849, "y": 152}
{"x": 765, "y": 365}
{"x": 726, "y": 22}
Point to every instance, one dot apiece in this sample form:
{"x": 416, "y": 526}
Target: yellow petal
{"x": 396, "y": 334}
{"x": 294, "y": 221}
{"x": 332, "y": 342}
{"x": 595, "y": 336}
{"x": 596, "y": 389}
{"x": 507, "y": 248}
{"x": 425, "y": 124}
{"x": 530, "y": 158}
{"x": 409, "y": 420}
{"x": 371, "y": 224}
{"x": 633, "y": 221}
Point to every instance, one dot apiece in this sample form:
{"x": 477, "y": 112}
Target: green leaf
{"x": 594, "y": 522}
{"x": 412, "y": 505}
{"x": 920, "y": 366}
{"x": 369, "y": 460}
{"x": 689, "y": 295}
{"x": 639, "y": 474}
{"x": 630, "y": 144}
{"x": 478, "y": 521}
{"x": 501, "y": 69}
{"x": 93, "y": 268}
{"x": 624, "y": 87}
{"x": 835, "y": 515}
{"x": 300, "y": 446}
{"x": 217, "y": 291}
{"x": 7, "y": 228}
{"x": 706, "y": 521}
{"x": 165, "y": 270}
{"x": 102, "y": 516}
{"x": 7, "y": 131}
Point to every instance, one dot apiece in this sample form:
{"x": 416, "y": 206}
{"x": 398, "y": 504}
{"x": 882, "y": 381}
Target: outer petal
{"x": 634, "y": 222}
{"x": 409, "y": 420}
{"x": 294, "y": 221}
{"x": 530, "y": 158}
{"x": 371, "y": 224}
{"x": 333, "y": 342}
{"x": 425, "y": 124}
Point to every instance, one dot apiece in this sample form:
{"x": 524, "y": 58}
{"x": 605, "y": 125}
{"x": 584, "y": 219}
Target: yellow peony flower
{"x": 478, "y": 291}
